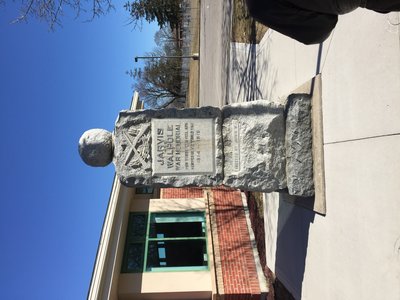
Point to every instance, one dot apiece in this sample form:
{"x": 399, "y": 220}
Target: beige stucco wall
{"x": 169, "y": 285}
{"x": 184, "y": 204}
{"x": 167, "y": 205}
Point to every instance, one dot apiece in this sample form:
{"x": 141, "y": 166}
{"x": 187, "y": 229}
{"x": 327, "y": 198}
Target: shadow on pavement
{"x": 292, "y": 243}
{"x": 251, "y": 72}
{"x": 226, "y": 41}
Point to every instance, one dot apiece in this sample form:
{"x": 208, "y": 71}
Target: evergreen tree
{"x": 165, "y": 12}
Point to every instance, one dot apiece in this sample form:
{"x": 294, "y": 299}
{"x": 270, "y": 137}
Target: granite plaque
{"x": 183, "y": 146}
{"x": 169, "y": 147}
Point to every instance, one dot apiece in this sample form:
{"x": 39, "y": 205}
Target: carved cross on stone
{"x": 137, "y": 148}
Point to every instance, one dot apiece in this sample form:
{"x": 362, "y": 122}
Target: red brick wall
{"x": 237, "y": 261}
{"x": 170, "y": 193}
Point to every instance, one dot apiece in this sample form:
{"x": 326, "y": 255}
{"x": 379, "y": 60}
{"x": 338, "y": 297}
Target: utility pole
{"x": 194, "y": 56}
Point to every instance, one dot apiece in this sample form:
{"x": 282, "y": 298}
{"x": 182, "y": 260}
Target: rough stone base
{"x": 254, "y": 146}
{"x": 299, "y": 159}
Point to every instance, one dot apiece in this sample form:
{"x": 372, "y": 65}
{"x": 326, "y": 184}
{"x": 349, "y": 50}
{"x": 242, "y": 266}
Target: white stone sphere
{"x": 96, "y": 147}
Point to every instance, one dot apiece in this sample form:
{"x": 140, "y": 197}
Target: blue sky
{"x": 53, "y": 87}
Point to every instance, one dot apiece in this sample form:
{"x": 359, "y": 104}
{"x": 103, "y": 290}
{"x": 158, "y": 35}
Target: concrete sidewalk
{"x": 353, "y": 251}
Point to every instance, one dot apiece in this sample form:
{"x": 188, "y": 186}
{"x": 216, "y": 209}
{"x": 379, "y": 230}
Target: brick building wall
{"x": 170, "y": 193}
{"x": 237, "y": 261}
{"x": 235, "y": 267}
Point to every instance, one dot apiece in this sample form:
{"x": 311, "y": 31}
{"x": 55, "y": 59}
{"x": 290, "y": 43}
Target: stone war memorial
{"x": 255, "y": 146}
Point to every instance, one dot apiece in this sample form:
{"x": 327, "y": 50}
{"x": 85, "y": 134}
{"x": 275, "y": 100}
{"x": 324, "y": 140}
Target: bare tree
{"x": 51, "y": 11}
{"x": 159, "y": 82}
{"x": 164, "y": 36}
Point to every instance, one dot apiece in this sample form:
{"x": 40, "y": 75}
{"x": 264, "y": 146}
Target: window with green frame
{"x": 165, "y": 242}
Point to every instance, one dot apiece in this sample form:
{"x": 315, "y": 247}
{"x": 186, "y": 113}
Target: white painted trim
{"x": 96, "y": 282}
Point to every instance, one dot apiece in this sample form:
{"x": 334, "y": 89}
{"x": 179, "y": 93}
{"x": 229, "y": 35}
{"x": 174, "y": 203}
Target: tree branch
{"x": 23, "y": 15}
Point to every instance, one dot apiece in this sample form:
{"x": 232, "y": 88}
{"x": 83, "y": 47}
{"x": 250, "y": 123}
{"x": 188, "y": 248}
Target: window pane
{"x": 137, "y": 227}
{"x": 144, "y": 190}
{"x": 170, "y": 225}
{"x": 134, "y": 258}
{"x": 181, "y": 253}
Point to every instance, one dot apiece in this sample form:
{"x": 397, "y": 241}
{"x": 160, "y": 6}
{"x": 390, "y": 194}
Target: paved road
{"x": 229, "y": 72}
{"x": 215, "y": 29}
